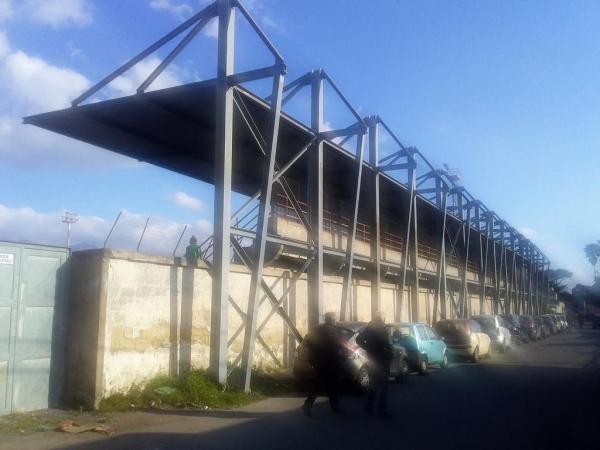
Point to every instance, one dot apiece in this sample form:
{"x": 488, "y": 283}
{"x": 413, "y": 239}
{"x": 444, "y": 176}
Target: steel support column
{"x": 466, "y": 308}
{"x": 414, "y": 245}
{"x": 440, "y": 294}
{"x": 222, "y": 200}
{"x": 373, "y": 124}
{"x": 315, "y": 204}
{"x": 486, "y": 236}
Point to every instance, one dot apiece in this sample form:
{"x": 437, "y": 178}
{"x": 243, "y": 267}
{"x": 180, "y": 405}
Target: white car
{"x": 497, "y": 330}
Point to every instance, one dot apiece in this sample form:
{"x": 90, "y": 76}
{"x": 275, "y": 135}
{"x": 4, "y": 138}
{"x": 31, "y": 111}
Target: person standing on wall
{"x": 193, "y": 252}
{"x": 375, "y": 340}
{"x": 325, "y": 352}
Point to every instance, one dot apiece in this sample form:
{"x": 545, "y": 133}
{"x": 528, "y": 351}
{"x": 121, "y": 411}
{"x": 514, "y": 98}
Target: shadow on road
{"x": 470, "y": 406}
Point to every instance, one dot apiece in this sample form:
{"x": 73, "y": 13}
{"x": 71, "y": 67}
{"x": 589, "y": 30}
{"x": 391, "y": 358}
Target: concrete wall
{"x": 134, "y": 316}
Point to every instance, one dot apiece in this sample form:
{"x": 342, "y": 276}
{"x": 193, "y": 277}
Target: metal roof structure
{"x": 221, "y": 133}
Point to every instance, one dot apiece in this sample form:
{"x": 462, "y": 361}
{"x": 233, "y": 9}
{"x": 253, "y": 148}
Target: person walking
{"x": 374, "y": 339}
{"x": 325, "y": 351}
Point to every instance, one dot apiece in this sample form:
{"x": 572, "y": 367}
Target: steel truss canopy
{"x": 219, "y": 132}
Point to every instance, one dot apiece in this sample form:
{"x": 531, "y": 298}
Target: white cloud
{"x": 180, "y": 10}
{"x": 6, "y": 10}
{"x": 29, "y": 85}
{"x": 211, "y": 29}
{"x": 28, "y": 225}
{"x": 59, "y": 12}
{"x": 204, "y": 226}
{"x": 128, "y": 83}
{"x": 529, "y": 233}
{"x": 40, "y": 86}
{"x": 187, "y": 201}
{"x": 4, "y": 46}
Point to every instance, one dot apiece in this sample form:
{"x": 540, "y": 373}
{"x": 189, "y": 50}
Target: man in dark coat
{"x": 375, "y": 340}
{"x": 326, "y": 350}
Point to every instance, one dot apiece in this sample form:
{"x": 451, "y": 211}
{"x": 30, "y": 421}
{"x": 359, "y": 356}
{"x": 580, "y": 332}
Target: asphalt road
{"x": 542, "y": 395}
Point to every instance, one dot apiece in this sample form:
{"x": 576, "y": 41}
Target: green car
{"x": 423, "y": 345}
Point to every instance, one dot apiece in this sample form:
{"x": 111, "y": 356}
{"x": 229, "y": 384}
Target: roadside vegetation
{"x": 197, "y": 390}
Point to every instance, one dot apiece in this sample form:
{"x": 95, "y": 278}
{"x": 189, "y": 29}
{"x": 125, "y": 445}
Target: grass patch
{"x": 195, "y": 390}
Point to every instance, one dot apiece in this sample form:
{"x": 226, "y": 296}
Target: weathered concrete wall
{"x": 134, "y": 316}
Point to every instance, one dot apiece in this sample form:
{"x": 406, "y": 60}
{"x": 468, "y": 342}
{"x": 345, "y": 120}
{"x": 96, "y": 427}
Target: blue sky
{"x": 508, "y": 92}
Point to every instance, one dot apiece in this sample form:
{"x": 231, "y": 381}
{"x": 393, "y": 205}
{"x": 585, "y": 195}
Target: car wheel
{"x": 364, "y": 379}
{"x": 502, "y": 347}
{"x": 422, "y": 366}
{"x": 475, "y": 355}
{"x": 403, "y": 372}
{"x": 444, "y": 364}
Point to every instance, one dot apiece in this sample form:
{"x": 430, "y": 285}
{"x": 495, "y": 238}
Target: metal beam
{"x": 209, "y": 11}
{"x": 352, "y": 234}
{"x": 315, "y": 204}
{"x": 261, "y": 232}
{"x": 440, "y": 293}
{"x": 222, "y": 200}
{"x": 374, "y": 215}
{"x": 174, "y": 53}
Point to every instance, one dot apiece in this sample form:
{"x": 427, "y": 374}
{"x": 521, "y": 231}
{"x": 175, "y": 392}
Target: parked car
{"x": 422, "y": 344}
{"x": 557, "y": 322}
{"x": 464, "y": 338}
{"x": 513, "y": 323}
{"x": 355, "y": 366}
{"x": 531, "y": 328}
{"x": 550, "y": 324}
{"x": 563, "y": 322}
{"x": 545, "y": 329}
{"x": 495, "y": 327}
{"x": 566, "y": 323}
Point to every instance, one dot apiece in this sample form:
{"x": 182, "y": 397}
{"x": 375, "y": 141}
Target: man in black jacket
{"x": 375, "y": 340}
{"x": 326, "y": 350}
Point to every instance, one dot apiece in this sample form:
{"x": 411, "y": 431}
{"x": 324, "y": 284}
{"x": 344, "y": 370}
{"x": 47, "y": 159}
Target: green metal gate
{"x": 32, "y": 295}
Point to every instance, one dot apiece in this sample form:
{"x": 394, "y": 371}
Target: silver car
{"x": 495, "y": 327}
{"x": 355, "y": 367}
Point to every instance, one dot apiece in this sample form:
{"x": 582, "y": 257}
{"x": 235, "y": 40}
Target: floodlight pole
{"x": 69, "y": 218}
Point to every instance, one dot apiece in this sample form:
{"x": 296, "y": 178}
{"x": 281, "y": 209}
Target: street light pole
{"x": 69, "y": 218}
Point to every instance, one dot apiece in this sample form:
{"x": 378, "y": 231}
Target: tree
{"x": 592, "y": 253}
{"x": 556, "y": 277}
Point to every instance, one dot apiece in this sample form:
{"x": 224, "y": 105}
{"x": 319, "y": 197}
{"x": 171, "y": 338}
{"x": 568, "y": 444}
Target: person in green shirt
{"x": 193, "y": 252}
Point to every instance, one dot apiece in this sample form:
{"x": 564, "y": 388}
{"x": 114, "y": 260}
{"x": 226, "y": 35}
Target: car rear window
{"x": 449, "y": 328}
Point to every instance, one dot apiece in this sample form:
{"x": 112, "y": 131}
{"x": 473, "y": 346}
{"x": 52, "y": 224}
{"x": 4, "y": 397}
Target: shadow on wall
{"x": 59, "y": 345}
{"x": 180, "y": 355}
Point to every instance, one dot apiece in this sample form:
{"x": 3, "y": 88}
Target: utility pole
{"x": 69, "y": 218}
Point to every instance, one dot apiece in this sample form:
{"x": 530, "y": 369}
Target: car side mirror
{"x": 443, "y": 338}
